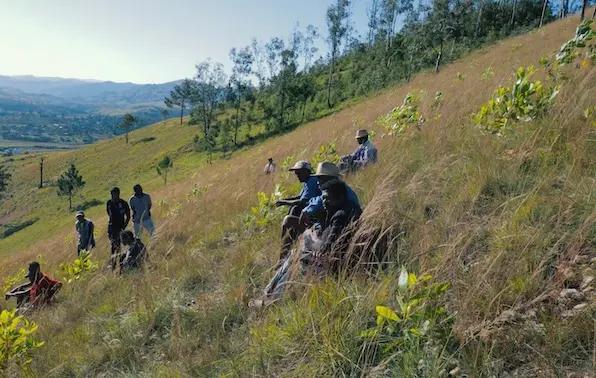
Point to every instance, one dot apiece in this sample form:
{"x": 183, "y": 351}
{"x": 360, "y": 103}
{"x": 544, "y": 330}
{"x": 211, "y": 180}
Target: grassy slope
{"x": 498, "y": 225}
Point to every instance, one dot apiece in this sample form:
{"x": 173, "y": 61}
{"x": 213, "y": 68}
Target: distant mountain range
{"x": 71, "y": 111}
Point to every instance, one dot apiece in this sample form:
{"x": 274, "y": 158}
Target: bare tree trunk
{"x": 439, "y": 56}
{"x": 181, "y": 112}
{"x": 544, "y": 5}
{"x": 478, "y": 19}
{"x": 513, "y": 14}
{"x": 331, "y": 68}
{"x": 584, "y": 6}
{"x": 41, "y": 173}
{"x": 237, "y": 125}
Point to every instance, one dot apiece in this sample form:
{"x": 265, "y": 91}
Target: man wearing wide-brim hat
{"x": 310, "y": 189}
{"x": 365, "y": 154}
{"x": 294, "y": 226}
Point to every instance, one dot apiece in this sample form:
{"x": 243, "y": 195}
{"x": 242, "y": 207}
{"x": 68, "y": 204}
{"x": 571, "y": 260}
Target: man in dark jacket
{"x": 119, "y": 216}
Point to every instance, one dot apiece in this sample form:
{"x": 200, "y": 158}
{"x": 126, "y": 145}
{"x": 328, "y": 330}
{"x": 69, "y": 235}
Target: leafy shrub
{"x": 81, "y": 265}
{"x": 571, "y": 49}
{"x": 16, "y": 340}
{"x": 326, "y": 152}
{"x": 265, "y": 212}
{"x": 526, "y": 100}
{"x": 404, "y": 116}
{"x": 417, "y": 330}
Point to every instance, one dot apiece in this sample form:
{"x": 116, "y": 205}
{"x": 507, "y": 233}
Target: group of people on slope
{"x": 322, "y": 214}
{"x": 41, "y": 288}
{"x": 119, "y": 217}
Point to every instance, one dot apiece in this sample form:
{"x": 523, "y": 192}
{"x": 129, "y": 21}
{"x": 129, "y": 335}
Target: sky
{"x": 144, "y": 41}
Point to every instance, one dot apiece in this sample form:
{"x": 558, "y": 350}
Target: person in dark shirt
{"x": 119, "y": 216}
{"x": 135, "y": 253}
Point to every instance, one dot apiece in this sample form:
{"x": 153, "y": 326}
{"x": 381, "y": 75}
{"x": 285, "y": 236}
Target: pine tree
{"x": 70, "y": 182}
{"x": 163, "y": 167}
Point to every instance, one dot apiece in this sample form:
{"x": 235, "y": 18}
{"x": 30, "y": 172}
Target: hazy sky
{"x": 143, "y": 41}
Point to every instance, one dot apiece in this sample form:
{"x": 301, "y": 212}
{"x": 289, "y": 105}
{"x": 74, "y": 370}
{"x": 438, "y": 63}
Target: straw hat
{"x": 361, "y": 133}
{"x": 327, "y": 169}
{"x": 301, "y": 164}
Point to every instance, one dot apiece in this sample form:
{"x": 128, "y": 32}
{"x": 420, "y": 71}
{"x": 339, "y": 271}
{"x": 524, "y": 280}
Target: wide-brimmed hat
{"x": 361, "y": 133}
{"x": 79, "y": 213}
{"x": 327, "y": 168}
{"x": 301, "y": 164}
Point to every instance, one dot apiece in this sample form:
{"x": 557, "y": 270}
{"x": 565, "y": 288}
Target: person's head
{"x": 327, "y": 171}
{"x": 115, "y": 192}
{"x": 80, "y": 215}
{"x": 34, "y": 271}
{"x": 138, "y": 189}
{"x": 302, "y": 170}
{"x": 361, "y": 136}
{"x": 335, "y": 193}
{"x": 127, "y": 237}
{"x": 270, "y": 160}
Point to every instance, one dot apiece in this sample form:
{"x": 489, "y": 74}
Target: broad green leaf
{"x": 387, "y": 313}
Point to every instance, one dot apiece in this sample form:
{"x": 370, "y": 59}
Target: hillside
{"x": 508, "y": 222}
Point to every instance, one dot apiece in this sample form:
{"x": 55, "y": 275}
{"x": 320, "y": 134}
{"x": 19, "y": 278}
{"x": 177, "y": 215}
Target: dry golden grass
{"x": 493, "y": 250}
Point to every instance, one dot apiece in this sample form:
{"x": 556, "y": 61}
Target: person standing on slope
{"x": 269, "y": 167}
{"x": 140, "y": 203}
{"x": 119, "y": 216}
{"x": 84, "y": 228}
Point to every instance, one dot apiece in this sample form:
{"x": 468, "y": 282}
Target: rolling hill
{"x": 507, "y": 222}
{"x": 72, "y": 111}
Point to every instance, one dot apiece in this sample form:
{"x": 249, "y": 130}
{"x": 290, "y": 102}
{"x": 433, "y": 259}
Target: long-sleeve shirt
{"x": 315, "y": 208}
{"x": 84, "y": 230}
{"x": 335, "y": 221}
{"x": 365, "y": 154}
{"x": 141, "y": 207}
{"x": 310, "y": 189}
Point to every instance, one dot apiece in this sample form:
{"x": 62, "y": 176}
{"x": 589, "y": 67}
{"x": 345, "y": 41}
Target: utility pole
{"x": 41, "y": 172}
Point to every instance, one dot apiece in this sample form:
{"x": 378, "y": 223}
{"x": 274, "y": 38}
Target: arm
{"x": 108, "y": 208}
{"x": 336, "y": 227}
{"x": 126, "y": 214}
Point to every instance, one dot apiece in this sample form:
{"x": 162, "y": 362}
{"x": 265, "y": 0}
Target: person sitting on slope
{"x": 319, "y": 243}
{"x": 40, "y": 289}
{"x": 365, "y": 154}
{"x": 310, "y": 189}
{"x": 293, "y": 226}
{"x": 135, "y": 252}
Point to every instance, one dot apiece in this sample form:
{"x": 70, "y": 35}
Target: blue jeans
{"x": 146, "y": 224}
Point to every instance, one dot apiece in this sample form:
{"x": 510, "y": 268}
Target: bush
{"x": 265, "y": 212}
{"x": 413, "y": 336}
{"x": 524, "y": 101}
{"x": 82, "y": 264}
{"x": 16, "y": 340}
{"x": 404, "y": 116}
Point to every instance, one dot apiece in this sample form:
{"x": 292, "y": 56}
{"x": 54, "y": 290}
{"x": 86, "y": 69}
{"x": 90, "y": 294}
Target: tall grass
{"x": 498, "y": 218}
